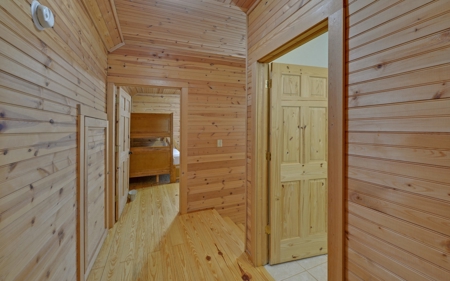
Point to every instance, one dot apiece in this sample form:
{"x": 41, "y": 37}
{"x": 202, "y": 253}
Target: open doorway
{"x": 155, "y": 158}
{"x": 119, "y": 89}
{"x": 298, "y": 147}
{"x": 261, "y": 227}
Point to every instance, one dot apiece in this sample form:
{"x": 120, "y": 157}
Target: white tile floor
{"x": 310, "y": 269}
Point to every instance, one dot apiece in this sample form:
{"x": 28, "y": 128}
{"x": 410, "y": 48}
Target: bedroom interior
{"x": 67, "y": 93}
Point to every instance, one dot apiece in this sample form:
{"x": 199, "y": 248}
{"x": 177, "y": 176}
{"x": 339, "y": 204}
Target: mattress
{"x": 176, "y": 157}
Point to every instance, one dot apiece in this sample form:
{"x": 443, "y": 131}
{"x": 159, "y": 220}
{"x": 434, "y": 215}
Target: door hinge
{"x": 267, "y": 229}
{"x": 117, "y": 148}
{"x": 268, "y": 84}
{"x": 268, "y": 156}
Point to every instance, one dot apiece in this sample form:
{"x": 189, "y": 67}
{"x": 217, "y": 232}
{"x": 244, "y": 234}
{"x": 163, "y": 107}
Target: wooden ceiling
{"x": 244, "y": 5}
{"x": 200, "y": 27}
{"x": 104, "y": 16}
{"x": 151, "y": 90}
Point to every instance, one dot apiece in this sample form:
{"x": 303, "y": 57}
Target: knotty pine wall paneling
{"x": 202, "y": 44}
{"x": 272, "y": 24}
{"x": 398, "y": 140}
{"x": 43, "y": 76}
{"x": 398, "y": 130}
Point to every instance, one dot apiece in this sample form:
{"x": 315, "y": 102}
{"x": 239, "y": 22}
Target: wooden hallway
{"x": 152, "y": 242}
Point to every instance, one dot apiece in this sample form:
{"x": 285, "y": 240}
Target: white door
{"x": 123, "y": 149}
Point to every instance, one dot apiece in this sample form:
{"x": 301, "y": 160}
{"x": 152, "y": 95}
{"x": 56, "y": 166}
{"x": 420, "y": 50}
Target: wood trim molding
{"x": 116, "y": 19}
{"x": 183, "y": 148}
{"x": 128, "y": 81}
{"x": 80, "y": 200}
{"x": 91, "y": 112}
{"x": 336, "y": 160}
{"x": 111, "y": 113}
{"x": 106, "y": 29}
{"x": 259, "y": 172}
{"x": 309, "y": 35}
{"x": 252, "y": 7}
{"x": 336, "y": 148}
{"x": 116, "y": 47}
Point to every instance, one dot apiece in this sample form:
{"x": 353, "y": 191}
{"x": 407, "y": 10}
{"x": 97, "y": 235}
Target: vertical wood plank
{"x": 80, "y": 200}
{"x": 336, "y": 147}
{"x": 184, "y": 150}
{"x": 259, "y": 140}
{"x": 111, "y": 187}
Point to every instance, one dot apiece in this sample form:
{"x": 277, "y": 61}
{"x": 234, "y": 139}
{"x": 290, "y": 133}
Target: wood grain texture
{"x": 151, "y": 145}
{"x": 122, "y": 149}
{"x": 44, "y": 76}
{"x": 93, "y": 189}
{"x": 208, "y": 58}
{"x": 271, "y": 26}
{"x": 152, "y": 241}
{"x": 104, "y": 16}
{"x": 398, "y": 201}
{"x": 160, "y": 100}
{"x": 194, "y": 26}
{"x": 299, "y": 162}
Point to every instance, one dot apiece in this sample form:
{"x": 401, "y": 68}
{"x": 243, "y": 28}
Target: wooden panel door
{"x": 95, "y": 184}
{"x": 298, "y": 167}
{"x": 92, "y": 193}
{"x": 123, "y": 113}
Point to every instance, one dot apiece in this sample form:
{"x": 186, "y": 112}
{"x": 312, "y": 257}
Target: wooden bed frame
{"x": 151, "y": 145}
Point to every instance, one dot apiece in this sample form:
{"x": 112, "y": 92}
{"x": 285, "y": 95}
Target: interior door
{"x": 92, "y": 190}
{"x": 123, "y": 113}
{"x": 298, "y": 166}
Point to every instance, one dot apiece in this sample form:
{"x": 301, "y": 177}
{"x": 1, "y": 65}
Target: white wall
{"x": 313, "y": 53}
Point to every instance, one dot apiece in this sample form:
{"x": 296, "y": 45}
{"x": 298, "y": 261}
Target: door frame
{"x": 259, "y": 173}
{"x": 113, "y": 83}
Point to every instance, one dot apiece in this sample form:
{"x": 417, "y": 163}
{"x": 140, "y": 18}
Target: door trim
{"x": 112, "y": 84}
{"x": 336, "y": 149}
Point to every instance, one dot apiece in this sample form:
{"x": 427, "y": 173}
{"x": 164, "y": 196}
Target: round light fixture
{"x": 42, "y": 16}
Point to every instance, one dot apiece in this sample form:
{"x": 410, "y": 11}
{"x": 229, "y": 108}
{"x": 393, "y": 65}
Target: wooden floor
{"x": 152, "y": 242}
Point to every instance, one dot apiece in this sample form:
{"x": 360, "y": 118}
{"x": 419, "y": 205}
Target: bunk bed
{"x": 152, "y": 150}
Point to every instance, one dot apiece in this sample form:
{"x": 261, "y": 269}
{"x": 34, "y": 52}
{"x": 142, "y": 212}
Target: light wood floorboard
{"x": 152, "y": 242}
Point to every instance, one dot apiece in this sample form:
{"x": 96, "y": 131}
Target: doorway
{"x": 298, "y": 143}
{"x": 298, "y": 147}
{"x": 117, "y": 85}
{"x": 160, "y": 152}
{"x": 261, "y": 228}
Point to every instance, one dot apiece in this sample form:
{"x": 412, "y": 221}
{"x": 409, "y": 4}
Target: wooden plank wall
{"x": 104, "y": 16}
{"x": 43, "y": 76}
{"x": 202, "y": 44}
{"x": 398, "y": 137}
{"x": 271, "y": 24}
{"x": 398, "y": 140}
{"x": 160, "y": 103}
{"x": 216, "y": 110}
